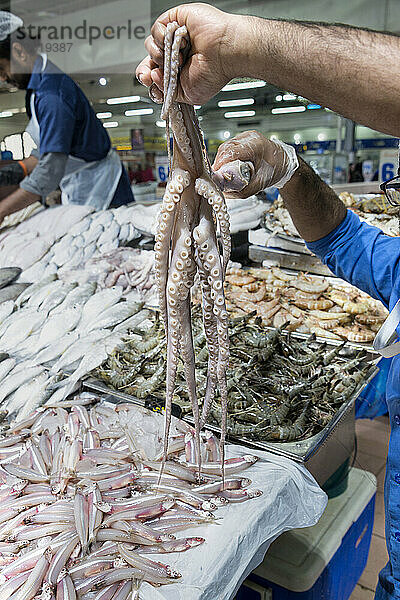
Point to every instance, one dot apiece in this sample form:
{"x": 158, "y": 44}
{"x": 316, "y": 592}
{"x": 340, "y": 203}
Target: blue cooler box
{"x": 323, "y": 562}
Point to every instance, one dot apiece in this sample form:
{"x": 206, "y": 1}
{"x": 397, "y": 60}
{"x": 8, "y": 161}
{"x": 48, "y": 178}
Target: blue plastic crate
{"x": 340, "y": 575}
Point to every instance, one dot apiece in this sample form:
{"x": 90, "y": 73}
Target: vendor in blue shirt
{"x": 73, "y": 149}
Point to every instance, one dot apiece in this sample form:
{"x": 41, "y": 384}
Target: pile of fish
{"x": 333, "y": 310}
{"x": 90, "y": 236}
{"x": 244, "y": 214}
{"x": 62, "y": 238}
{"x": 130, "y": 268}
{"x": 54, "y": 334}
{"x": 279, "y": 387}
{"x": 82, "y": 511}
{"x": 29, "y": 242}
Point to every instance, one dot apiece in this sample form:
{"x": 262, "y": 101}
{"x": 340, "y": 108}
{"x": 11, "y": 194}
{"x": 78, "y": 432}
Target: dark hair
{"x": 30, "y": 44}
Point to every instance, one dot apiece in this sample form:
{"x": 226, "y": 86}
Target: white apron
{"x": 84, "y": 182}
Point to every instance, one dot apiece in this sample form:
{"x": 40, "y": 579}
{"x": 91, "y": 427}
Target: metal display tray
{"x": 323, "y": 453}
{"x": 273, "y": 257}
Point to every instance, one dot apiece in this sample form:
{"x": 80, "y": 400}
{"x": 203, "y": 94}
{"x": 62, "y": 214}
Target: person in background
{"x": 73, "y": 148}
{"x": 352, "y": 71}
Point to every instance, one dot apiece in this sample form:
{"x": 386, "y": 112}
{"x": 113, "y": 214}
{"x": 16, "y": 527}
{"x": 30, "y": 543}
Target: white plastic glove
{"x": 273, "y": 162}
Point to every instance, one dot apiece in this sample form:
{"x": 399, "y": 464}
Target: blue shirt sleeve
{"x": 362, "y": 255}
{"x": 56, "y": 121}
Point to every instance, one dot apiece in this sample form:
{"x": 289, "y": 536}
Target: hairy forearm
{"x": 351, "y": 71}
{"x": 16, "y": 201}
{"x": 314, "y": 207}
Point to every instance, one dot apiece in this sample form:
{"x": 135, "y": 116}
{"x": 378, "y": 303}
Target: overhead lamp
{"x": 137, "y": 112}
{"x": 238, "y": 102}
{"x": 313, "y": 106}
{"x": 289, "y": 97}
{"x": 279, "y": 98}
{"x": 123, "y": 100}
{"x": 226, "y": 135}
{"x": 6, "y": 113}
{"x": 245, "y": 85}
{"x": 239, "y": 113}
{"x": 110, "y": 124}
{"x": 197, "y": 106}
{"x": 321, "y": 137}
{"x": 104, "y": 115}
{"x": 103, "y": 81}
{"x": 161, "y": 123}
{"x": 288, "y": 109}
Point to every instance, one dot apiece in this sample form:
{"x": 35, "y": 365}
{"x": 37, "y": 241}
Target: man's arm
{"x": 351, "y": 71}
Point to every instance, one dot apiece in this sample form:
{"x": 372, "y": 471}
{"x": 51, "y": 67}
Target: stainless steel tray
{"x": 323, "y": 453}
{"x": 288, "y": 260}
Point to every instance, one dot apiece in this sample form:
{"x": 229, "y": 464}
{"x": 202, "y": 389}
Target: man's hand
{"x": 216, "y": 40}
{"x": 274, "y": 162}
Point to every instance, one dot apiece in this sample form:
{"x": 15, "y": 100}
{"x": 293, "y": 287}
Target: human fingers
{"x": 155, "y": 53}
{"x": 143, "y": 71}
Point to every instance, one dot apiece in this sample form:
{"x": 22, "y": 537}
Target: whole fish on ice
{"x": 32, "y": 289}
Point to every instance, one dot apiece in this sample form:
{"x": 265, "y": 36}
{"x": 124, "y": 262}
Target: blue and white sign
{"x": 388, "y": 164}
{"x": 162, "y": 168}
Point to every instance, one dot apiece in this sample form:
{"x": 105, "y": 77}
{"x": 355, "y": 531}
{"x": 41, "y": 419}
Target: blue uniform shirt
{"x": 370, "y": 260}
{"x": 68, "y": 123}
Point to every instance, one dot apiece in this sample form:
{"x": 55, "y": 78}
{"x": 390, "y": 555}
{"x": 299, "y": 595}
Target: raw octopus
{"x": 186, "y": 245}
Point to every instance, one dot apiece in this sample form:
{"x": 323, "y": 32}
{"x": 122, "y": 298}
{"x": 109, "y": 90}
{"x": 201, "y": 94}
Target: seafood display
{"x": 62, "y": 238}
{"x": 244, "y": 214}
{"x": 373, "y": 209}
{"x": 186, "y": 244}
{"x": 278, "y": 387}
{"x": 84, "y": 510}
{"x": 331, "y": 309}
{"x": 54, "y": 334}
{"x": 130, "y": 268}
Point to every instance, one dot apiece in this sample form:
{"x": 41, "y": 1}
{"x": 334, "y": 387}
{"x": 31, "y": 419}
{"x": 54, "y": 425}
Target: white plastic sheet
{"x": 237, "y": 543}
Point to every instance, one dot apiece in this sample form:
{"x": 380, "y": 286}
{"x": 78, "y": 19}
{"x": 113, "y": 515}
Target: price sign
{"x": 388, "y": 164}
{"x": 162, "y": 168}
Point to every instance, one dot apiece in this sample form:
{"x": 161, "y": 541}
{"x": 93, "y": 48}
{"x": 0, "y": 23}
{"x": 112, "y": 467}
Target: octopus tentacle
{"x": 209, "y": 191}
{"x": 173, "y": 60}
{"x": 178, "y": 182}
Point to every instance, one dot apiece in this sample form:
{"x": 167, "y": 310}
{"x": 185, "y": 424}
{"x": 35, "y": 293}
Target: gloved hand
{"x": 274, "y": 162}
{"x": 11, "y": 174}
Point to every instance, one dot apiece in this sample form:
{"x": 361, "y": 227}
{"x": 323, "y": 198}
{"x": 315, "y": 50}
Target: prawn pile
{"x": 81, "y": 510}
{"x": 279, "y": 387}
{"x": 307, "y": 304}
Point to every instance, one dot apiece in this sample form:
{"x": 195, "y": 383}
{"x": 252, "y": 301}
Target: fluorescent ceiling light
{"x": 6, "y": 113}
{"x": 123, "y": 100}
{"x": 313, "y": 106}
{"x": 161, "y": 123}
{"x": 197, "y": 106}
{"x": 246, "y": 85}
{"x": 104, "y": 115}
{"x": 239, "y": 102}
{"x": 110, "y": 124}
{"x": 239, "y": 113}
{"x": 137, "y": 112}
{"x": 288, "y": 109}
{"x": 289, "y": 97}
